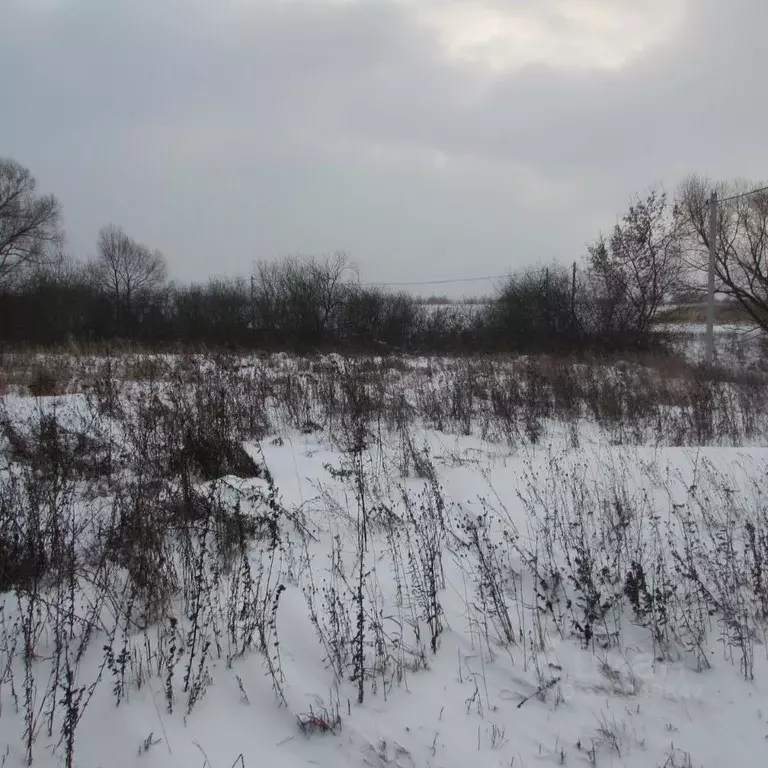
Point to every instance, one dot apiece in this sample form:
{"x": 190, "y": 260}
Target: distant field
{"x": 725, "y": 312}
{"x": 697, "y": 313}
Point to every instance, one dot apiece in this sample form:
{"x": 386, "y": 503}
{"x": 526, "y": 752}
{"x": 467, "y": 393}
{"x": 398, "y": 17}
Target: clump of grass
{"x": 320, "y": 720}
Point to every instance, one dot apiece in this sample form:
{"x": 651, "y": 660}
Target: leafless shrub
{"x": 320, "y": 720}
{"x": 492, "y": 576}
{"x": 426, "y": 523}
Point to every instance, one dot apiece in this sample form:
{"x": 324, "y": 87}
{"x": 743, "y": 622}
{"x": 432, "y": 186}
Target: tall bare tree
{"x": 639, "y": 265}
{"x": 741, "y": 247}
{"x": 29, "y": 223}
{"x": 331, "y": 277}
{"x": 127, "y": 271}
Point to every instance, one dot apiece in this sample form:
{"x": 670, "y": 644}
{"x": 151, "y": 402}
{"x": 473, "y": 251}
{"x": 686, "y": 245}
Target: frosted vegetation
{"x": 236, "y": 561}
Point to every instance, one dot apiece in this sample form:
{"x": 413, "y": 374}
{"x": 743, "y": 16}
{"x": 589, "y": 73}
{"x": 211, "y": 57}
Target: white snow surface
{"x": 736, "y": 345}
{"x": 470, "y": 703}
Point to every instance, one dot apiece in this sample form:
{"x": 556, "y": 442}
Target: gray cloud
{"x": 227, "y": 131}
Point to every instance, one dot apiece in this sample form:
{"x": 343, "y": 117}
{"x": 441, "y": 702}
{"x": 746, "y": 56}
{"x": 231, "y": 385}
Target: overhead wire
{"x": 450, "y": 281}
{"x": 743, "y": 194}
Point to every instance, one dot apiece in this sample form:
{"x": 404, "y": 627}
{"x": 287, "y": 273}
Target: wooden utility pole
{"x": 573, "y": 298}
{"x": 253, "y": 307}
{"x": 711, "y": 279}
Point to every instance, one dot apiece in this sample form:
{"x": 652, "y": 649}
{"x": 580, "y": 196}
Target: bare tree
{"x": 741, "y": 249}
{"x": 29, "y": 223}
{"x": 303, "y": 297}
{"x": 127, "y": 271}
{"x": 331, "y": 278}
{"x": 639, "y": 265}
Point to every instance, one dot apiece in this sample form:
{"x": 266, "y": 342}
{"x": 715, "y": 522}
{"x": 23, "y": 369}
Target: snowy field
{"x": 238, "y": 562}
{"x": 738, "y": 346}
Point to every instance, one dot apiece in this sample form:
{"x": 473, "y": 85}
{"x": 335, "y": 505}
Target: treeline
{"x": 611, "y": 298}
{"x": 309, "y": 303}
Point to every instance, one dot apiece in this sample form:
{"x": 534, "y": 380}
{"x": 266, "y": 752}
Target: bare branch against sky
{"x": 426, "y": 138}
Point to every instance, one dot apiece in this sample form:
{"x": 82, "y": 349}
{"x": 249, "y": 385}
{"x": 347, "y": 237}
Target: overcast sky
{"x": 427, "y": 138}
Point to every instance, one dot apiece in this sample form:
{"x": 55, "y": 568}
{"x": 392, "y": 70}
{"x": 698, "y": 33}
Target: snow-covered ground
{"x": 737, "y": 346}
{"x": 558, "y": 591}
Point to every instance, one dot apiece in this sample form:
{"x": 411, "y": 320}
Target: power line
{"x": 743, "y": 194}
{"x": 500, "y": 277}
{"x": 436, "y": 282}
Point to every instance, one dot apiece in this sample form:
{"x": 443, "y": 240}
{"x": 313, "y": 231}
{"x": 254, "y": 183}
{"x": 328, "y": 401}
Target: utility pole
{"x": 573, "y": 298}
{"x": 252, "y": 334}
{"x": 711, "y": 279}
